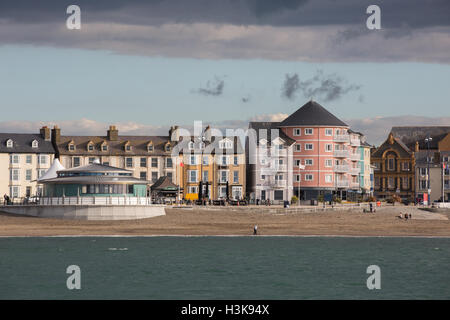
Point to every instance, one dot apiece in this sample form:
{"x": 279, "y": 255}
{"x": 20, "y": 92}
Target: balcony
{"x": 355, "y": 156}
{"x": 354, "y": 185}
{"x": 280, "y": 167}
{"x": 354, "y": 171}
{"x": 355, "y": 142}
{"x": 341, "y": 138}
{"x": 342, "y": 168}
{"x": 341, "y": 153}
{"x": 279, "y": 153}
{"x": 342, "y": 183}
{"x": 280, "y": 183}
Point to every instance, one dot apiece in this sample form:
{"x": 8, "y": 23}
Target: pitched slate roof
{"x": 22, "y": 143}
{"x": 138, "y": 145}
{"x": 261, "y": 127}
{"x": 163, "y": 183}
{"x": 404, "y": 151}
{"x": 410, "y": 134}
{"x": 312, "y": 114}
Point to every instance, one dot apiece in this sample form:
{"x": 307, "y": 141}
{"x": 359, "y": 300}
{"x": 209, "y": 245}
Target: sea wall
{"x": 87, "y": 212}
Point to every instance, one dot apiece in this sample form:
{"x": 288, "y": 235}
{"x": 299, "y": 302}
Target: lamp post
{"x": 300, "y": 167}
{"x": 427, "y": 141}
{"x": 202, "y": 143}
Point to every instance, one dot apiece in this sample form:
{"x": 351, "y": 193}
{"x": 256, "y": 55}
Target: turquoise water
{"x": 224, "y": 267}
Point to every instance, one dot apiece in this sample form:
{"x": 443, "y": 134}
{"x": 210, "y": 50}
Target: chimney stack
{"x": 56, "y": 134}
{"x": 174, "y": 133}
{"x": 45, "y": 133}
{"x": 113, "y": 133}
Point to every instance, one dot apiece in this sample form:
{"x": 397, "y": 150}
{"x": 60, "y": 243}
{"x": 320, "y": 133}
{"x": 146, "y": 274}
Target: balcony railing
{"x": 341, "y": 138}
{"x": 342, "y": 183}
{"x": 279, "y": 153}
{"x": 341, "y": 153}
{"x": 354, "y": 185}
{"x": 354, "y": 171}
{"x": 280, "y": 183}
{"x": 355, "y": 156}
{"x": 280, "y": 167}
{"x": 341, "y": 168}
{"x": 355, "y": 142}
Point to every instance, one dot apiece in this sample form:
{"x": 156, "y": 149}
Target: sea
{"x": 215, "y": 267}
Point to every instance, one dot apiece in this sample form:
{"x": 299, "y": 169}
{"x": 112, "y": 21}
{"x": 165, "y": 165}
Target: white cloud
{"x": 274, "y": 117}
{"x": 82, "y": 127}
{"x": 375, "y": 129}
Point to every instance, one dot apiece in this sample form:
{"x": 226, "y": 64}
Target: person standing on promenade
{"x": 255, "y": 230}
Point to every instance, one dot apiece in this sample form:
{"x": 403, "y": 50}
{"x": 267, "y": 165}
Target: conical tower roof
{"x": 312, "y": 114}
{"x": 52, "y": 171}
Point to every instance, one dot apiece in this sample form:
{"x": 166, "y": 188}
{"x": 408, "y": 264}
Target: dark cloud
{"x": 213, "y": 87}
{"x": 326, "y": 87}
{"x": 412, "y": 13}
{"x": 294, "y": 30}
{"x": 245, "y": 99}
{"x": 290, "y": 86}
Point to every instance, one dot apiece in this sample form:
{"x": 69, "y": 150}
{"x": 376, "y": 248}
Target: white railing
{"x": 355, "y": 156}
{"x": 341, "y": 153}
{"x": 342, "y": 183}
{"x": 279, "y": 152}
{"x": 341, "y": 168}
{"x": 354, "y": 171}
{"x": 354, "y": 185}
{"x": 355, "y": 142}
{"x": 87, "y": 200}
{"x": 280, "y": 167}
{"x": 280, "y": 183}
{"x": 341, "y": 138}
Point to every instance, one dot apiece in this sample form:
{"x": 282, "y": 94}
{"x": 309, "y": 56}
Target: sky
{"x": 145, "y": 66}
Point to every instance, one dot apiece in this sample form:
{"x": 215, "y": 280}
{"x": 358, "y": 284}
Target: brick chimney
{"x": 113, "y": 133}
{"x": 56, "y": 134}
{"x": 174, "y": 133}
{"x": 45, "y": 133}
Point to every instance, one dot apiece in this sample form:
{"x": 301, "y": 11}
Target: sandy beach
{"x": 195, "y": 221}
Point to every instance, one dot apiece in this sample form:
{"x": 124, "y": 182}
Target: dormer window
{"x": 127, "y": 146}
{"x": 34, "y": 144}
{"x": 225, "y": 144}
{"x": 71, "y": 146}
{"x": 90, "y": 146}
{"x": 104, "y": 147}
{"x": 150, "y": 147}
{"x": 9, "y": 143}
{"x": 167, "y": 147}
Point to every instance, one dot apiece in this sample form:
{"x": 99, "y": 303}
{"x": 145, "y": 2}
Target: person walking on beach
{"x": 255, "y": 230}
